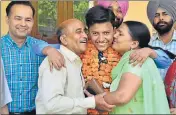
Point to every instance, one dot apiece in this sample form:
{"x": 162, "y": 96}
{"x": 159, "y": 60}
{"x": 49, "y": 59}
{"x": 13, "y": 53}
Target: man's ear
{"x": 7, "y": 20}
{"x": 134, "y": 44}
{"x": 63, "y": 39}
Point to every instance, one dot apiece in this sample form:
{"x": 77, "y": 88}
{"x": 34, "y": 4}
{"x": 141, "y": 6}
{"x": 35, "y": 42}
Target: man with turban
{"x": 119, "y": 8}
{"x": 162, "y": 15}
{"x": 102, "y": 74}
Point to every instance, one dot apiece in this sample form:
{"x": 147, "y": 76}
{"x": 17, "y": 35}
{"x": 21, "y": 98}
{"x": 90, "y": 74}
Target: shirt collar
{"x": 174, "y": 35}
{"x": 156, "y": 36}
{"x": 11, "y": 42}
{"x": 69, "y": 54}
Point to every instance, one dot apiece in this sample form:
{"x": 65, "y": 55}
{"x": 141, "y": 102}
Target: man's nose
{"x": 23, "y": 23}
{"x": 101, "y": 37}
{"x": 161, "y": 17}
{"x": 84, "y": 35}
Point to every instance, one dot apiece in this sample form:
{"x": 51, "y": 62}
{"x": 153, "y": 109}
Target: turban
{"x": 168, "y": 5}
{"x": 122, "y": 4}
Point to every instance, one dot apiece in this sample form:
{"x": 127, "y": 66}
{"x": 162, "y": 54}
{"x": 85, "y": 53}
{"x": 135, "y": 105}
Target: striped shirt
{"x": 21, "y": 69}
{"x": 171, "y": 46}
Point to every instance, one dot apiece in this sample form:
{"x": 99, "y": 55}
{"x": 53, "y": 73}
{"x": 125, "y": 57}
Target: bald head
{"x": 71, "y": 34}
{"x": 67, "y": 26}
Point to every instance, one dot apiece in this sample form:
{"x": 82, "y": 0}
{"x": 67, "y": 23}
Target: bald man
{"x": 61, "y": 91}
{"x": 119, "y": 8}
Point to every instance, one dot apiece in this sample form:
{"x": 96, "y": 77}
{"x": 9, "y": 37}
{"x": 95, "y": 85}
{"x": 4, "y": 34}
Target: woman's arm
{"x": 173, "y": 111}
{"x": 161, "y": 59}
{"x": 128, "y": 86}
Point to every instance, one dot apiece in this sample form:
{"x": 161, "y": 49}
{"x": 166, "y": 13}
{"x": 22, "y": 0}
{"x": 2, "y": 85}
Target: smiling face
{"x": 115, "y": 7}
{"x": 76, "y": 38}
{"x": 122, "y": 39}
{"x": 118, "y": 13}
{"x": 20, "y": 21}
{"x": 101, "y": 35}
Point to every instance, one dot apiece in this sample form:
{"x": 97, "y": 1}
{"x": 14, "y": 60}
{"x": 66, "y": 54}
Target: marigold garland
{"x": 90, "y": 67}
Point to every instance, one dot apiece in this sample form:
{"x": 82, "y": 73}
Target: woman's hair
{"x": 139, "y": 32}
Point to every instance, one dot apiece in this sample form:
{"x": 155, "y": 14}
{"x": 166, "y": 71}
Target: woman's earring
{"x": 131, "y": 48}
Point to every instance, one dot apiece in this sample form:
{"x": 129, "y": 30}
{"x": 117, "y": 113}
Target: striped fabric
{"x": 21, "y": 69}
{"x": 171, "y": 46}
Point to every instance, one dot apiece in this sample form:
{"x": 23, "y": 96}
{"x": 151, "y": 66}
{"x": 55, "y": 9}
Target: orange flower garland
{"x": 101, "y": 72}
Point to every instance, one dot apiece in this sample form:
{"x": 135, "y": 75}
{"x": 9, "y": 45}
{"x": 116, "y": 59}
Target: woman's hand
{"x": 173, "y": 111}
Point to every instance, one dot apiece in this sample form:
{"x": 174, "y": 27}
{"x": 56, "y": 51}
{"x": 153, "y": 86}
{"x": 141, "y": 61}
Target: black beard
{"x": 118, "y": 22}
{"x": 163, "y": 29}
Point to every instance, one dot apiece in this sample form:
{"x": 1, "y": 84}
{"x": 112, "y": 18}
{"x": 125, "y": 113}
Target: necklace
{"x": 100, "y": 71}
{"x": 93, "y": 68}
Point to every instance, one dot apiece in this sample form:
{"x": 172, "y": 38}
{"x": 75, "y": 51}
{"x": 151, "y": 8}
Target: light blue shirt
{"x": 21, "y": 70}
{"x": 162, "y": 60}
{"x": 37, "y": 48}
{"x": 171, "y": 46}
{"x": 4, "y": 91}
